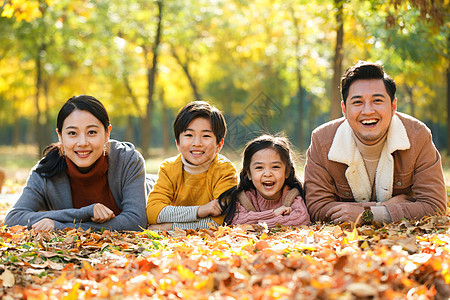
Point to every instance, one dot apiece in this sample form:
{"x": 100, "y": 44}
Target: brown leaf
{"x": 7, "y": 278}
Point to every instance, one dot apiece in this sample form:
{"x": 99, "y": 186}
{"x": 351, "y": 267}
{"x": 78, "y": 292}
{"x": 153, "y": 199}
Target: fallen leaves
{"x": 404, "y": 259}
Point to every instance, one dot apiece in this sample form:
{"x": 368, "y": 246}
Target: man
{"x": 374, "y": 162}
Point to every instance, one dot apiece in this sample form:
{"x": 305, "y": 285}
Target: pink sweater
{"x": 264, "y": 211}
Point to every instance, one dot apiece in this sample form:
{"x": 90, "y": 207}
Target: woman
{"x": 86, "y": 180}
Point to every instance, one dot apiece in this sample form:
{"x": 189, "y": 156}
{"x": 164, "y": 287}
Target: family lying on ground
{"x": 374, "y": 164}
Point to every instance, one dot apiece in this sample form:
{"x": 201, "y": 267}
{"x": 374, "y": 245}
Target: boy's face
{"x": 198, "y": 143}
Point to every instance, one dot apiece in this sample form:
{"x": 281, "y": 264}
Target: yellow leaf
{"x": 73, "y": 294}
{"x": 207, "y": 284}
{"x": 87, "y": 266}
{"x": 240, "y": 273}
{"x": 447, "y": 278}
{"x": 8, "y": 11}
{"x": 264, "y": 236}
{"x": 353, "y": 235}
{"x": 60, "y": 280}
{"x": 185, "y": 273}
{"x": 364, "y": 245}
{"x": 309, "y": 247}
{"x": 278, "y": 291}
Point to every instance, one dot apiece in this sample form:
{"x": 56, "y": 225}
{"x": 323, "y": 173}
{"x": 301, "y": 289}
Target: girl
{"x": 86, "y": 180}
{"x": 268, "y": 190}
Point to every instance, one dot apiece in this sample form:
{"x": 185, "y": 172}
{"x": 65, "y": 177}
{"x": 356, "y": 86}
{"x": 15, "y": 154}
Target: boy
{"x": 188, "y": 185}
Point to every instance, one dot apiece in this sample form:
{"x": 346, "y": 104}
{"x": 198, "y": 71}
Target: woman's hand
{"x": 282, "y": 210}
{"x": 102, "y": 213}
{"x": 211, "y": 208}
{"x": 44, "y": 224}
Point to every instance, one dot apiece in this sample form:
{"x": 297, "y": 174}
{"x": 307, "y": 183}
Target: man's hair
{"x": 366, "y": 70}
{"x": 200, "y": 109}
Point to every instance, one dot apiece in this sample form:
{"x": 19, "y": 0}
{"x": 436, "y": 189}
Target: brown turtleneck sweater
{"x": 91, "y": 187}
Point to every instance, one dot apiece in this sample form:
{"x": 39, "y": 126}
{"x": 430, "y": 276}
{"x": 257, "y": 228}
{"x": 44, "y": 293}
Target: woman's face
{"x": 83, "y": 137}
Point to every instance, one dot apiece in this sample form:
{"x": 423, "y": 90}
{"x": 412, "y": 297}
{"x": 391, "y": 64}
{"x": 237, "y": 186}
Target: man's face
{"x": 369, "y": 110}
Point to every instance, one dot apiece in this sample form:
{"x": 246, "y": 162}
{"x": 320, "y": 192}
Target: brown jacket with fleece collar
{"x": 409, "y": 164}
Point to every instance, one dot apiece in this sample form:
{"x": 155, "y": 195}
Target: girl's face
{"x": 268, "y": 173}
{"x": 83, "y": 137}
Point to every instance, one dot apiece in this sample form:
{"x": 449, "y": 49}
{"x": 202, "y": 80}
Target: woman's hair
{"x": 54, "y": 161}
{"x": 281, "y": 145}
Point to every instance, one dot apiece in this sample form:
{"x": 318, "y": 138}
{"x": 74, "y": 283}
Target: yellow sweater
{"x": 179, "y": 188}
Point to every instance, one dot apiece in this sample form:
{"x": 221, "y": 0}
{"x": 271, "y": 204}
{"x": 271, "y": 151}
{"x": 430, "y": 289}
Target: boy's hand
{"x": 282, "y": 210}
{"x": 209, "y": 209}
{"x": 102, "y": 213}
{"x": 44, "y": 224}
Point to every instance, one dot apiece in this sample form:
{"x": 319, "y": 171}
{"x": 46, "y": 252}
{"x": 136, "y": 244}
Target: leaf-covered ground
{"x": 408, "y": 259}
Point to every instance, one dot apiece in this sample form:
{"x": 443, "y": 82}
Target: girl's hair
{"x": 54, "y": 161}
{"x": 281, "y": 145}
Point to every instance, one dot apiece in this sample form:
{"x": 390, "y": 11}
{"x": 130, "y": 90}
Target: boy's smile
{"x": 198, "y": 143}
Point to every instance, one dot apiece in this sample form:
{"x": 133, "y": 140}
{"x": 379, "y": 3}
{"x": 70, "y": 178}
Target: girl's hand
{"x": 282, "y": 210}
{"x": 102, "y": 213}
{"x": 44, "y": 224}
{"x": 209, "y": 209}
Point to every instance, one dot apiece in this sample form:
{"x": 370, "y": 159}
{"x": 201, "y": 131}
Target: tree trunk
{"x": 146, "y": 126}
{"x": 16, "y": 128}
{"x": 448, "y": 99}
{"x": 129, "y": 131}
{"x": 129, "y": 137}
{"x": 38, "y": 128}
{"x": 47, "y": 134}
{"x": 185, "y": 67}
{"x": 165, "y": 124}
{"x": 335, "y": 109}
{"x": 409, "y": 91}
{"x": 300, "y": 128}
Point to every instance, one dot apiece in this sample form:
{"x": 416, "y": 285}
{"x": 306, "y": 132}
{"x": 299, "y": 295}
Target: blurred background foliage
{"x": 269, "y": 65}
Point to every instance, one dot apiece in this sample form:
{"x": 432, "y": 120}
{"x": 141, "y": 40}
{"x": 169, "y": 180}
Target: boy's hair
{"x": 200, "y": 109}
{"x": 278, "y": 143}
{"x": 366, "y": 70}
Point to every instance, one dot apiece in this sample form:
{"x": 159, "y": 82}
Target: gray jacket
{"x": 51, "y": 197}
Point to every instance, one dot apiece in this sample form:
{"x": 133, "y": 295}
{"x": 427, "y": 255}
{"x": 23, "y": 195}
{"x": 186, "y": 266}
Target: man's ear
{"x": 344, "y": 111}
{"x": 394, "y": 105}
{"x": 220, "y": 145}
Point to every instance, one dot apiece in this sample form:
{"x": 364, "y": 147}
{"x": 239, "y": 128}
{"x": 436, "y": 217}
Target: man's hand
{"x": 344, "y": 212}
{"x": 209, "y": 209}
{"x": 282, "y": 210}
{"x": 161, "y": 226}
{"x": 102, "y": 213}
{"x": 44, "y": 224}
